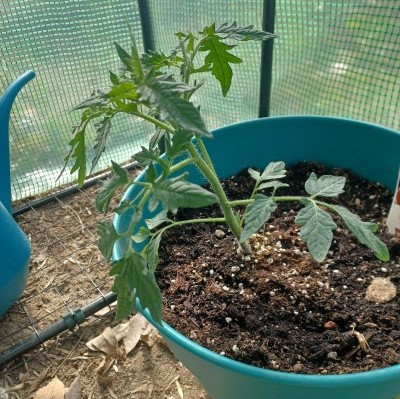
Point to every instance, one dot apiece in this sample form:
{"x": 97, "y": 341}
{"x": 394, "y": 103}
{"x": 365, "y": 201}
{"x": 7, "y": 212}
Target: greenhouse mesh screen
{"x": 338, "y": 58}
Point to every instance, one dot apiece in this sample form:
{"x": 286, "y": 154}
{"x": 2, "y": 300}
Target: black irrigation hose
{"x": 69, "y": 321}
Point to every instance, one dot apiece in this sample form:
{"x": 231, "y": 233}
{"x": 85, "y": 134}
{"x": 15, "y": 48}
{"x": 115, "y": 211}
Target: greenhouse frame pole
{"x": 268, "y": 25}
{"x": 145, "y": 21}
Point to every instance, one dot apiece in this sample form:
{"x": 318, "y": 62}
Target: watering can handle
{"x": 6, "y": 102}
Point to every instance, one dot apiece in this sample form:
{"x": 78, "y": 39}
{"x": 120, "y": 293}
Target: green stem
{"x": 277, "y": 199}
{"x": 168, "y": 128}
{"x": 192, "y": 221}
{"x": 230, "y": 218}
{"x": 205, "y": 154}
{"x": 182, "y": 164}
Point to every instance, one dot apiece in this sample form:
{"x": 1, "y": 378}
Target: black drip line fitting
{"x": 68, "y": 322}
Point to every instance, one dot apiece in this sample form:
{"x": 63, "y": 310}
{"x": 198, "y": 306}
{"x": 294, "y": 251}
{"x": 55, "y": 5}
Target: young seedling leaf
{"x": 151, "y": 252}
{"x": 364, "y": 232}
{"x": 316, "y": 230}
{"x": 274, "y": 184}
{"x": 108, "y": 237}
{"x": 325, "y": 186}
{"x": 274, "y": 170}
{"x": 220, "y": 59}
{"x": 177, "y": 193}
{"x": 119, "y": 178}
{"x": 254, "y": 174}
{"x": 163, "y": 95}
{"x": 134, "y": 279}
{"x": 257, "y": 214}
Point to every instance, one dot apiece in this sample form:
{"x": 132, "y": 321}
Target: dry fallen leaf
{"x": 74, "y": 391}
{"x": 106, "y": 342}
{"x": 151, "y": 336}
{"x": 179, "y": 389}
{"x": 53, "y": 390}
{"x": 137, "y": 325}
{"x": 105, "y": 365}
{"x": 3, "y": 393}
{"x": 137, "y": 329}
{"x": 34, "y": 385}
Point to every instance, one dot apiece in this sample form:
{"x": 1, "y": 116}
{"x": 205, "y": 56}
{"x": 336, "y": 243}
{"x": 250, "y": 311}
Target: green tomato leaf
{"x": 364, "y": 232}
{"x": 325, "y": 186}
{"x": 98, "y": 99}
{"x": 158, "y": 220}
{"x": 131, "y": 61}
{"x": 163, "y": 96}
{"x": 177, "y": 193}
{"x": 134, "y": 279}
{"x": 242, "y": 33}
{"x": 135, "y": 58}
{"x": 125, "y": 306}
{"x": 145, "y": 157}
{"x": 124, "y": 90}
{"x": 119, "y": 178}
{"x": 78, "y": 151}
{"x": 124, "y": 206}
{"x": 157, "y": 60}
{"x": 257, "y": 214}
{"x": 141, "y": 235}
{"x": 113, "y": 78}
{"x": 108, "y": 237}
{"x": 103, "y": 128}
{"x": 220, "y": 59}
{"x": 180, "y": 142}
{"x": 316, "y": 230}
{"x": 157, "y": 139}
{"x": 151, "y": 252}
{"x": 124, "y": 56}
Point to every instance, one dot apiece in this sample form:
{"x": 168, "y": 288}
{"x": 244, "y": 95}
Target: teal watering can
{"x": 15, "y": 248}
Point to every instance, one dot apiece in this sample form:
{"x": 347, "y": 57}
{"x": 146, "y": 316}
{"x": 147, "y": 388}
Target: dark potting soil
{"x": 278, "y": 308}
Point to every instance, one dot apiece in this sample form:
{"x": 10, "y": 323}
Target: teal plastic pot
{"x": 369, "y": 150}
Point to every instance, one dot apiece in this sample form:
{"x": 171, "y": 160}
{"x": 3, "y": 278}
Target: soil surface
{"x": 279, "y": 308}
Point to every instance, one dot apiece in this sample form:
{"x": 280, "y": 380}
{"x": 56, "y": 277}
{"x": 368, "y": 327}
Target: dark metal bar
{"x": 69, "y": 321}
{"x": 266, "y": 59}
{"x": 145, "y": 20}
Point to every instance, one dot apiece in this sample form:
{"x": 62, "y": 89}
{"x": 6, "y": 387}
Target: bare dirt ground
{"x": 67, "y": 272}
